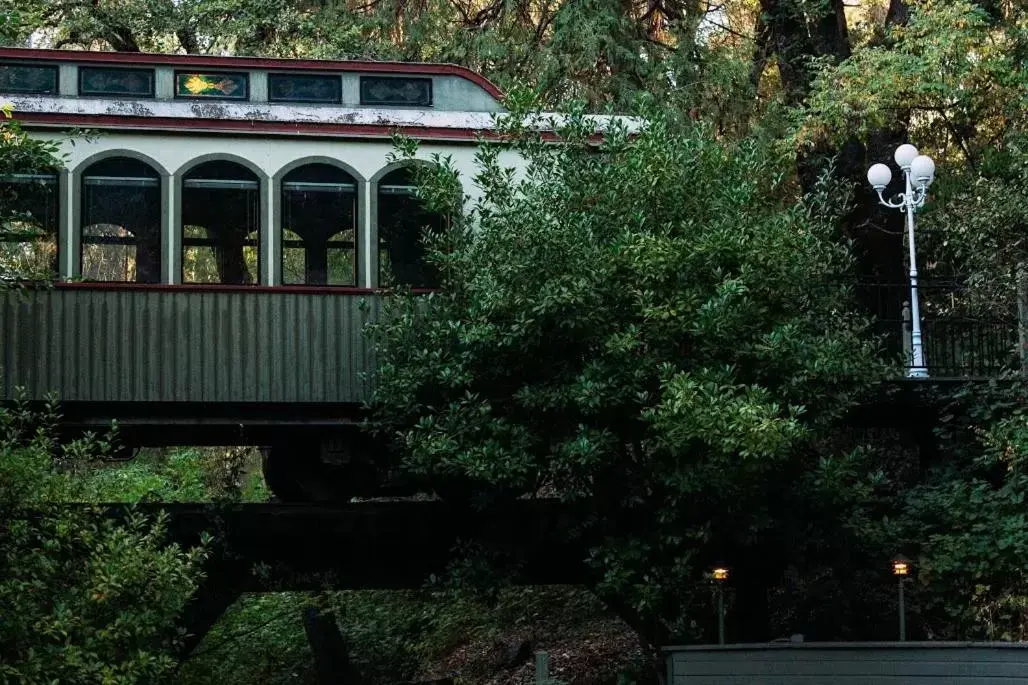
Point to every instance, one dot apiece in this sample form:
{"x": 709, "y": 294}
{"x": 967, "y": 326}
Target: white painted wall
{"x": 175, "y": 154}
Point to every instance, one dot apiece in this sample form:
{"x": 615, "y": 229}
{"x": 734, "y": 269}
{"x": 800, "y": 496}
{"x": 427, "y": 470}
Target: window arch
{"x": 402, "y": 222}
{"x": 121, "y": 221}
{"x": 221, "y": 224}
{"x": 319, "y": 226}
{"x": 29, "y": 208}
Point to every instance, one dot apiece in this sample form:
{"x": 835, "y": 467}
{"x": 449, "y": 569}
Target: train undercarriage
{"x": 310, "y": 453}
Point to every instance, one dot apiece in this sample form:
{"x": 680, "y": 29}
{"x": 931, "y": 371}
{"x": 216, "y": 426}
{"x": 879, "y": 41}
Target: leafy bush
{"x": 260, "y": 639}
{"x": 655, "y": 325}
{"x": 970, "y": 520}
{"x": 83, "y": 598}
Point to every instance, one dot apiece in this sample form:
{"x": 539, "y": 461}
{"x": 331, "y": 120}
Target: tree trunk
{"x": 328, "y": 647}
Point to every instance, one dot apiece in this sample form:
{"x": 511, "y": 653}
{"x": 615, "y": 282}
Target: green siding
{"x": 108, "y": 345}
{"x": 912, "y": 663}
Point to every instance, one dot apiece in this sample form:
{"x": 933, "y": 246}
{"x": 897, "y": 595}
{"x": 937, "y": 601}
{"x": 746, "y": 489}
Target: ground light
{"x": 901, "y": 569}
{"x": 720, "y": 576}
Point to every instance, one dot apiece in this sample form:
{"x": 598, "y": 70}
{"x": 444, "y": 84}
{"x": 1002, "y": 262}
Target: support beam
{"x": 376, "y": 545}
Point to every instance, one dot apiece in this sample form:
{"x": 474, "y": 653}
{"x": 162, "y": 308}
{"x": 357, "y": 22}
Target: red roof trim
{"x": 299, "y": 128}
{"x": 207, "y": 61}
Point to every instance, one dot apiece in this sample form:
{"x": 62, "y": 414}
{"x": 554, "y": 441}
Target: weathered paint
{"x": 194, "y": 112}
{"x": 891, "y": 663}
{"x": 185, "y": 345}
{"x": 202, "y": 115}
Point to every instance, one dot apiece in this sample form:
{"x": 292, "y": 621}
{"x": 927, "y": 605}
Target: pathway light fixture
{"x": 901, "y": 569}
{"x": 720, "y": 576}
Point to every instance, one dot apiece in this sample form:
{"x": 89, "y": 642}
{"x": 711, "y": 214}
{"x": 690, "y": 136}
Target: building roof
{"x": 221, "y": 62}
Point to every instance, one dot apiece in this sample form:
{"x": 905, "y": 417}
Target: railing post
{"x": 908, "y": 340}
{"x": 542, "y": 668}
{"x": 1022, "y": 316}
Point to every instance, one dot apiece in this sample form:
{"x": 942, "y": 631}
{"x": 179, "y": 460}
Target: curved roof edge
{"x": 215, "y": 61}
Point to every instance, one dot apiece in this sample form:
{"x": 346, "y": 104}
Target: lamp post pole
{"x": 901, "y": 569}
{"x": 720, "y": 576}
{"x": 917, "y": 368}
{"x": 720, "y": 615}
{"x": 918, "y": 174}
{"x": 902, "y": 613}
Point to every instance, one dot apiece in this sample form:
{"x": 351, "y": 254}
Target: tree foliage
{"x": 84, "y": 598}
{"x": 659, "y": 324}
{"x": 22, "y": 154}
{"x": 953, "y": 79}
{"x": 653, "y": 324}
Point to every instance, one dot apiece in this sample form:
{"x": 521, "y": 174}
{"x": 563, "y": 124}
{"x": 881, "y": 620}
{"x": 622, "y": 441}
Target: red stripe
{"x": 213, "y": 287}
{"x": 211, "y": 62}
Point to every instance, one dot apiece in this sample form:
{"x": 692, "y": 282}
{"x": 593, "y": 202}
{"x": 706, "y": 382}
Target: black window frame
{"x": 152, "y": 73}
{"x": 407, "y": 190}
{"x": 185, "y": 242}
{"x": 337, "y": 78}
{"x": 118, "y": 240}
{"x": 366, "y": 78}
{"x": 354, "y": 244}
{"x": 52, "y": 68}
{"x": 52, "y": 177}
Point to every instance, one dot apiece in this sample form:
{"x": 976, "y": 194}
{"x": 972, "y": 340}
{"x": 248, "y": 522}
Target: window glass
{"x": 28, "y": 232}
{"x": 121, "y": 222}
{"x": 220, "y": 224}
{"x": 116, "y": 82}
{"x": 402, "y": 223}
{"x": 319, "y": 204}
{"x": 396, "y": 90}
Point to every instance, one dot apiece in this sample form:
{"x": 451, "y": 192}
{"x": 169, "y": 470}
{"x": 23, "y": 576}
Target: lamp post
{"x": 720, "y": 576}
{"x": 918, "y": 172}
{"x": 901, "y": 569}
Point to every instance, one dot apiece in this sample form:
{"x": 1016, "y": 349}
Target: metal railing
{"x": 962, "y": 338}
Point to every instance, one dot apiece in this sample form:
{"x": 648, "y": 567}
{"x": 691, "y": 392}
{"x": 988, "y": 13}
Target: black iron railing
{"x": 962, "y": 338}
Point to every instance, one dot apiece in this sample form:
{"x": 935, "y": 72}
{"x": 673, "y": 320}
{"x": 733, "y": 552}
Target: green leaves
{"x": 638, "y": 323}
{"x": 83, "y": 599}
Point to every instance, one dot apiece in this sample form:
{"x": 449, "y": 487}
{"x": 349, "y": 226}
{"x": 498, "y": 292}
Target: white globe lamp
{"x": 879, "y": 176}
{"x": 905, "y": 154}
{"x": 922, "y": 170}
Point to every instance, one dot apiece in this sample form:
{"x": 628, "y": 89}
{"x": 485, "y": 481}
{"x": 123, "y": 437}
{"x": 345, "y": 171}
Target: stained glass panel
{"x": 387, "y": 90}
{"x": 28, "y": 78}
{"x": 304, "y": 88}
{"x": 211, "y": 85}
{"x": 106, "y": 81}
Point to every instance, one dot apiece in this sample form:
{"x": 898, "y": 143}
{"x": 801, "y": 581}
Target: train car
{"x": 218, "y": 238}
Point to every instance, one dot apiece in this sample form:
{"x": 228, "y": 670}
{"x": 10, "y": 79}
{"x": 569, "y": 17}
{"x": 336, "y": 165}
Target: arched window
{"x": 402, "y": 220}
{"x": 319, "y": 230}
{"x": 28, "y": 226}
{"x": 220, "y": 224}
{"x": 121, "y": 221}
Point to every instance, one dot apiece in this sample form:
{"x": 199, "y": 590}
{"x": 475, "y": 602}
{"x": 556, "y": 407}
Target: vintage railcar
{"x": 219, "y": 239}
